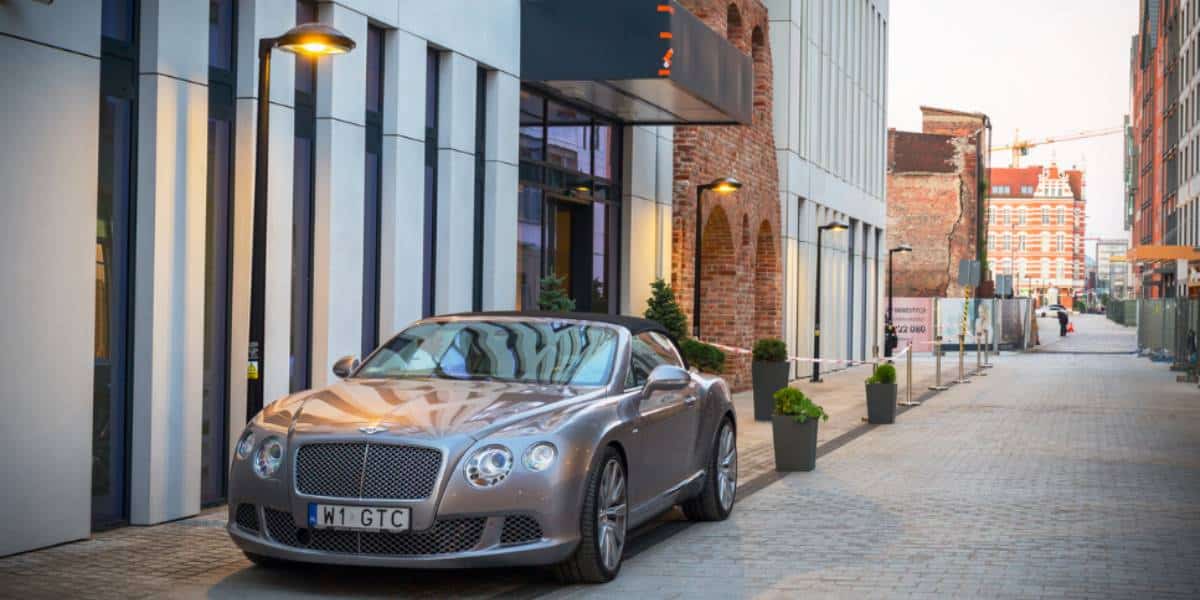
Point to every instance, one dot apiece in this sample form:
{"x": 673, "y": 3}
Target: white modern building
{"x": 454, "y": 157}
{"x": 830, "y": 70}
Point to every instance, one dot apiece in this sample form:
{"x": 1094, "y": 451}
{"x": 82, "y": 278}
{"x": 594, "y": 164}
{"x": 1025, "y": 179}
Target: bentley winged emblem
{"x": 373, "y": 429}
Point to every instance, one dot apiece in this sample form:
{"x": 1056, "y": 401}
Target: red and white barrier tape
{"x": 847, "y": 361}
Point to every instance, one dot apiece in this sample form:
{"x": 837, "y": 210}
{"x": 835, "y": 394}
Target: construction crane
{"x": 1020, "y": 147}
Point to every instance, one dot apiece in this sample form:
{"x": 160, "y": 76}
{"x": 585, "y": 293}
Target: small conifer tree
{"x": 553, "y": 296}
{"x": 662, "y": 308}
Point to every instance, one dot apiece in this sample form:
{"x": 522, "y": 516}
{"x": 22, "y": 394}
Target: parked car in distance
{"x": 1052, "y": 310}
{"x": 487, "y": 439}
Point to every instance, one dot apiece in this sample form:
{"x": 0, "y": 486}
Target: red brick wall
{"x": 922, "y": 212}
{"x": 741, "y": 282}
{"x": 933, "y": 200}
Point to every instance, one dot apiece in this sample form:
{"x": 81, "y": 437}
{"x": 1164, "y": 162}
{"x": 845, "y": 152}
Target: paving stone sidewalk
{"x": 1057, "y": 476}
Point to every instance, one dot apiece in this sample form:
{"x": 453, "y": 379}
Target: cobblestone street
{"x": 1070, "y": 472}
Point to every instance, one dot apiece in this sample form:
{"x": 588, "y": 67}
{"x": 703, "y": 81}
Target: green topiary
{"x": 770, "y": 350}
{"x": 706, "y": 357}
{"x": 662, "y": 308}
{"x": 553, "y": 297}
{"x": 884, "y": 373}
{"x": 791, "y": 402}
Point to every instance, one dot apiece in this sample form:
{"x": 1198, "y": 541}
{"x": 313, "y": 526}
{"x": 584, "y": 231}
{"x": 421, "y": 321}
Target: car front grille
{"x": 447, "y": 536}
{"x": 363, "y": 470}
{"x": 247, "y": 517}
{"x": 520, "y": 529}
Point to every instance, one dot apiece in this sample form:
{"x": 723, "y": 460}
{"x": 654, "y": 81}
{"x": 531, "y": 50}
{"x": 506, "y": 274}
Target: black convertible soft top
{"x": 635, "y": 325}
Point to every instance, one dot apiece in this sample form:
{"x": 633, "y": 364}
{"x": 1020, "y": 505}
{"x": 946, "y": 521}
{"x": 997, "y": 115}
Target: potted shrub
{"x": 769, "y": 371}
{"x": 881, "y": 395}
{"x": 794, "y": 429}
{"x": 706, "y": 357}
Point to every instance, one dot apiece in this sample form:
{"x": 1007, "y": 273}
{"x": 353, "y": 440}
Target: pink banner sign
{"x": 913, "y": 318}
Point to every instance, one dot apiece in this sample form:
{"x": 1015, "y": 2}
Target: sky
{"x": 1047, "y": 68}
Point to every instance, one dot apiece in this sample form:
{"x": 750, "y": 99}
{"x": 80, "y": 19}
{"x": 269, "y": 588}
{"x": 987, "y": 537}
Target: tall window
{"x": 1062, "y": 215}
{"x": 481, "y": 78}
{"x": 222, "y": 81}
{"x": 114, "y": 257}
{"x": 372, "y": 190}
{"x": 1045, "y": 215}
{"x": 568, "y": 202}
{"x": 1060, "y": 243}
{"x": 432, "y": 71}
{"x": 1021, "y": 242}
{"x": 302, "y": 210}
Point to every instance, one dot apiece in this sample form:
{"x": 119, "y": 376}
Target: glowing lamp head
{"x": 835, "y": 226}
{"x": 724, "y": 185}
{"x": 315, "y": 39}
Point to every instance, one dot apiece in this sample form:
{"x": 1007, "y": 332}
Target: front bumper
{"x": 477, "y": 541}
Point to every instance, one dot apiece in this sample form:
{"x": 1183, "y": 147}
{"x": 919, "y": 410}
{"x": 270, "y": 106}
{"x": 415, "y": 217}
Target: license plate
{"x": 358, "y": 518}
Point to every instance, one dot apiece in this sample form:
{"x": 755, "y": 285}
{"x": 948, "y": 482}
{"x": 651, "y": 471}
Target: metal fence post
{"x": 937, "y": 349}
{"x": 908, "y": 380}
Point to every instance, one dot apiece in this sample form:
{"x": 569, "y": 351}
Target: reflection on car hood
{"x": 426, "y": 408}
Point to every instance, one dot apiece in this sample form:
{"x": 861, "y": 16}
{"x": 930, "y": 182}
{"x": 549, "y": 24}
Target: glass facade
{"x": 303, "y": 207}
{"x": 372, "y": 190}
{"x": 114, "y": 259}
{"x": 217, "y": 265}
{"x": 568, "y": 203}
{"x": 429, "y": 280}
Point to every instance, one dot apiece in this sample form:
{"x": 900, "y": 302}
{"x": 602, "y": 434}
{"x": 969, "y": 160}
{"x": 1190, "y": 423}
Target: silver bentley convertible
{"x": 487, "y": 439}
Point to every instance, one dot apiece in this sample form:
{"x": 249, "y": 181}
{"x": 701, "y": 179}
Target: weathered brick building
{"x": 935, "y": 182}
{"x": 740, "y": 281}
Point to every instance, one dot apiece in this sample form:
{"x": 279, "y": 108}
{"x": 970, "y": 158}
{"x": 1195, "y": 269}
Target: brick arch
{"x": 762, "y": 73}
{"x": 734, "y": 27}
{"x": 767, "y": 299}
{"x": 718, "y": 273}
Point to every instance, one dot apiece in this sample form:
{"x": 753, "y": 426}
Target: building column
{"x": 48, "y": 217}
{"x": 167, "y": 360}
{"x": 339, "y": 197}
{"x": 403, "y": 187}
{"x": 456, "y": 184}
{"x": 500, "y": 191}
{"x": 646, "y": 203}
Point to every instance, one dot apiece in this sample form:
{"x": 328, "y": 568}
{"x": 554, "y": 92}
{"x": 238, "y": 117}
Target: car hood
{"x": 426, "y": 408}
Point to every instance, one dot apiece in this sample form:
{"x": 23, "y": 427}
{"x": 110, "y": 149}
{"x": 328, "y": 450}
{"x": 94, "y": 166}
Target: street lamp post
{"x": 724, "y": 185}
{"x": 816, "y": 373}
{"x": 889, "y": 344}
{"x": 312, "y": 40}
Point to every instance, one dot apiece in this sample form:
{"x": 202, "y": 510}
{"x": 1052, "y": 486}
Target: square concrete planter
{"x": 769, "y": 377}
{"x": 795, "y": 443}
{"x": 881, "y": 403}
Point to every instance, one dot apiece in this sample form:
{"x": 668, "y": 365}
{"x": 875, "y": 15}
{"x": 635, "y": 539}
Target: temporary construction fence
{"x": 1167, "y": 329}
{"x": 1124, "y": 312}
{"x": 1003, "y": 324}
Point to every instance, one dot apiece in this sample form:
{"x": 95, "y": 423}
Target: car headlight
{"x": 540, "y": 456}
{"x": 488, "y": 466}
{"x": 269, "y": 457}
{"x": 245, "y": 444}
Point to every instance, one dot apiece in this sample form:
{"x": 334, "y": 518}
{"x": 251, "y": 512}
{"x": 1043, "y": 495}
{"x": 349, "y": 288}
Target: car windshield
{"x": 530, "y": 351}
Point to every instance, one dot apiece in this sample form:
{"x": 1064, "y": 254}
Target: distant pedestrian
{"x": 1062, "y": 323}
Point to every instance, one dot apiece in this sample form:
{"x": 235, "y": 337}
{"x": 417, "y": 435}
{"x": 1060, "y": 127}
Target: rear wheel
{"x": 715, "y": 501}
{"x": 602, "y": 525}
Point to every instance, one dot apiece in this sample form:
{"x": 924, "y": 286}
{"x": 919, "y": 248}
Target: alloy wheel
{"x": 610, "y": 520}
{"x": 727, "y": 468}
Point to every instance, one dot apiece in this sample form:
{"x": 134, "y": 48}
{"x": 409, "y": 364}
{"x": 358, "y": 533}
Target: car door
{"x": 666, "y": 422}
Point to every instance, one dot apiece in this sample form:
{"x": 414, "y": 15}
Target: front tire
{"x": 602, "y": 525}
{"x": 715, "y": 501}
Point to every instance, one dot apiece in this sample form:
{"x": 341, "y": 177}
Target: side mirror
{"x": 345, "y": 366}
{"x": 666, "y": 378}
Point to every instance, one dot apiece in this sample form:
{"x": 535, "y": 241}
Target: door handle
{"x": 690, "y": 400}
